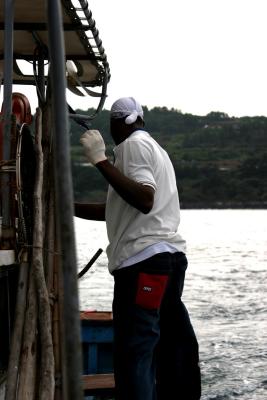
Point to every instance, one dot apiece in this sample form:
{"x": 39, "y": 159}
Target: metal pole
{"x": 8, "y": 75}
{"x": 64, "y": 204}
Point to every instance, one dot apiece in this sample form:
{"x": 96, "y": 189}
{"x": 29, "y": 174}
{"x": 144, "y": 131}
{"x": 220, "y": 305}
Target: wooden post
{"x": 17, "y": 335}
{"x": 47, "y": 379}
{"x": 27, "y": 379}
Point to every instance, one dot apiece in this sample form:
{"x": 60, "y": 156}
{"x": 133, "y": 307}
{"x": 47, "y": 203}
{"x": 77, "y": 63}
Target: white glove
{"x": 94, "y": 146}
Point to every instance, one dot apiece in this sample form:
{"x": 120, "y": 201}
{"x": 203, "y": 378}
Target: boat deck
{"x": 97, "y": 342}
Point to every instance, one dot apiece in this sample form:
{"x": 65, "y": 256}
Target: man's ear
{"x": 141, "y": 121}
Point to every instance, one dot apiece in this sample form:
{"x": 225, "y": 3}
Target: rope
{"x": 104, "y": 72}
{"x": 4, "y": 163}
{"x": 90, "y": 263}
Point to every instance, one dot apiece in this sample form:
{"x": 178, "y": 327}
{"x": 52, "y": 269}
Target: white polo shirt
{"x": 134, "y": 236}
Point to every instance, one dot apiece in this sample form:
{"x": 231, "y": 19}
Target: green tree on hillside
{"x": 219, "y": 161}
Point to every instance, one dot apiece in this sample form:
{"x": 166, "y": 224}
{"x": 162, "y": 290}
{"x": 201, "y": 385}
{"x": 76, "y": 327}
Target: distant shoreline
{"x": 223, "y": 205}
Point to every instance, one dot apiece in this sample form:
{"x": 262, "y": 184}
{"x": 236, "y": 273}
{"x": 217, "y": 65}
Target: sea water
{"x": 225, "y": 294}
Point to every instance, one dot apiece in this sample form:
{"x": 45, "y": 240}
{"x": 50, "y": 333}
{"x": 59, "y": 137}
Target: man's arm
{"x": 136, "y": 194}
{"x": 94, "y": 212}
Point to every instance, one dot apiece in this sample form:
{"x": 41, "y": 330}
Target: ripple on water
{"x": 225, "y": 293}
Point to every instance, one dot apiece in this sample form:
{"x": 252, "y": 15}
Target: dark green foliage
{"x": 89, "y": 185}
{"x": 220, "y": 161}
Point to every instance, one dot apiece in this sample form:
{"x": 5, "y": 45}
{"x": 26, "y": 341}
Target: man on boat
{"x": 156, "y": 350}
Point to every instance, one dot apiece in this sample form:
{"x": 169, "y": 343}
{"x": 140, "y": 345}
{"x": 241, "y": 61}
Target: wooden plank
{"x": 96, "y": 316}
{"x": 99, "y": 381}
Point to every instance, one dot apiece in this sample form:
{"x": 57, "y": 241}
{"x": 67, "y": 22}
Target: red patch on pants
{"x": 150, "y": 290}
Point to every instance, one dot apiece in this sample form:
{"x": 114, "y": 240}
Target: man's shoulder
{"x": 142, "y": 137}
{"x": 141, "y": 141}
{"x": 139, "y": 133}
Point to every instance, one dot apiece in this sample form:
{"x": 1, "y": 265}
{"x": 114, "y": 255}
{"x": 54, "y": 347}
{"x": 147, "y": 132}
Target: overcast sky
{"x": 196, "y": 56}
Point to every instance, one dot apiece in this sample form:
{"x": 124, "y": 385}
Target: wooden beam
{"x": 98, "y": 381}
{"x": 42, "y": 26}
{"x": 96, "y": 316}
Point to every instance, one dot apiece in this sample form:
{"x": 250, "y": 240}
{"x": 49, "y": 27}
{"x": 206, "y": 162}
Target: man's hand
{"x": 94, "y": 146}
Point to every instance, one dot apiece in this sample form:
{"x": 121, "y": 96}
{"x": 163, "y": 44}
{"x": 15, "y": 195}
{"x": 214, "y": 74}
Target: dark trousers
{"x": 155, "y": 347}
